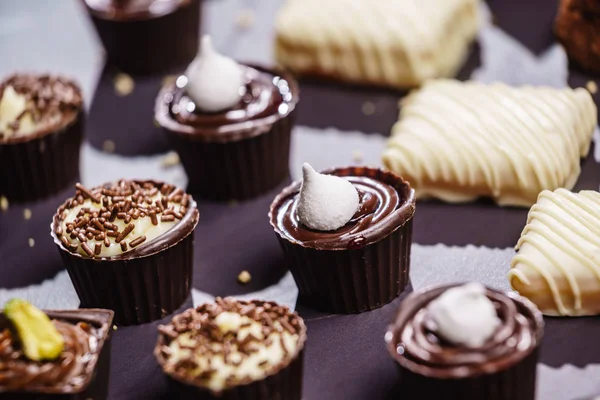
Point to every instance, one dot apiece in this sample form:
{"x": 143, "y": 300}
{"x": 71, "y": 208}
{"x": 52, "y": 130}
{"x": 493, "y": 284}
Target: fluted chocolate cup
{"x": 82, "y": 376}
{"x": 361, "y": 266}
{"x": 282, "y": 382}
{"x": 238, "y": 153}
{"x": 147, "y": 37}
{"x": 148, "y": 281}
{"x": 41, "y": 163}
{"x": 504, "y": 368}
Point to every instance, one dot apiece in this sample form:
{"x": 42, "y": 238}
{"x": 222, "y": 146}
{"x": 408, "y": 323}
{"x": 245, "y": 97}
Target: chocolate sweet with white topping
{"x": 36, "y": 104}
{"x": 229, "y": 343}
{"x": 116, "y": 218}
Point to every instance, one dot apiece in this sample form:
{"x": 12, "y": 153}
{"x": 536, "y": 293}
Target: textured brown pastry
{"x": 577, "y": 27}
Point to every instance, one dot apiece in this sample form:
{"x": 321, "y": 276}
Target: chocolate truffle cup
{"x": 93, "y": 384}
{"x": 238, "y": 160}
{"x": 150, "y": 38}
{"x": 36, "y": 165}
{"x": 143, "y": 284}
{"x": 435, "y": 371}
{"x": 283, "y": 383}
{"x": 356, "y": 275}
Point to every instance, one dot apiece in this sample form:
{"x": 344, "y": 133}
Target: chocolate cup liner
{"x": 42, "y": 165}
{"x": 237, "y": 169}
{"x": 139, "y": 289}
{"x": 515, "y": 383}
{"x": 151, "y": 45}
{"x": 348, "y": 281}
{"x": 284, "y": 385}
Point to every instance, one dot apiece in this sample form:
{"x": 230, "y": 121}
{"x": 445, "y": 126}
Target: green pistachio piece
{"x": 39, "y": 337}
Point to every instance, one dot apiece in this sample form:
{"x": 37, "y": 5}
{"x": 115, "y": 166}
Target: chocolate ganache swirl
{"x": 268, "y": 96}
{"x": 386, "y": 203}
{"x": 422, "y": 351}
{"x": 18, "y": 372}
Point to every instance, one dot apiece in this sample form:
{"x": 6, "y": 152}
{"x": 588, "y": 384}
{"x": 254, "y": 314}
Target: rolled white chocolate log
{"x": 558, "y": 261}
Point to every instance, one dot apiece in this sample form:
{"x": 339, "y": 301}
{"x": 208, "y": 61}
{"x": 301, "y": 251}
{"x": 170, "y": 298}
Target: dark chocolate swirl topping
{"x": 18, "y": 372}
{"x": 386, "y": 203}
{"x": 52, "y": 101}
{"x": 417, "y": 348}
{"x": 267, "y": 97}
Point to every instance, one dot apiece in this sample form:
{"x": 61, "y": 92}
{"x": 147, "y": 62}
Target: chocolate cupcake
{"x": 232, "y": 350}
{"x": 147, "y": 36}
{"x": 54, "y": 354}
{"x": 466, "y": 342}
{"x": 346, "y": 236}
{"x": 41, "y": 129}
{"x": 128, "y": 247}
{"x": 230, "y": 124}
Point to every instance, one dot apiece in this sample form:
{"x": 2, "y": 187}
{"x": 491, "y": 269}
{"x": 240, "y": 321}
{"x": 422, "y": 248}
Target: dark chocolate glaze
{"x": 54, "y": 103}
{"x": 168, "y": 239}
{"x": 386, "y": 203}
{"x": 85, "y": 332}
{"x": 269, "y": 96}
{"x": 422, "y": 351}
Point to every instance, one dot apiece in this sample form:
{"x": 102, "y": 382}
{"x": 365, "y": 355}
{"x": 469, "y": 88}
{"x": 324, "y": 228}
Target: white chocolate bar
{"x": 458, "y": 141}
{"x": 398, "y": 43}
{"x": 558, "y": 261}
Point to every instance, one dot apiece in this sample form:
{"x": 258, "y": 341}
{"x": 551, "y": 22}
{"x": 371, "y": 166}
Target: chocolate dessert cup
{"x": 280, "y": 381}
{"x": 239, "y": 153}
{"x": 91, "y": 383}
{"x": 504, "y": 368}
{"x": 147, "y": 36}
{"x": 141, "y": 280}
{"x": 361, "y": 266}
{"x": 44, "y": 160}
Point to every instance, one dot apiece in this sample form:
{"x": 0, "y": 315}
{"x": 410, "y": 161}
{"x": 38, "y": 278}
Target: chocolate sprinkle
{"x": 124, "y": 201}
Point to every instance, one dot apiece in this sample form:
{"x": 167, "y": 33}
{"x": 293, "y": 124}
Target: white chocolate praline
{"x": 214, "y": 82}
{"x": 267, "y": 353}
{"x": 143, "y": 226}
{"x": 557, "y": 266}
{"x": 458, "y": 141}
{"x": 397, "y": 43}
{"x": 12, "y": 105}
{"x": 463, "y": 315}
{"x": 326, "y": 202}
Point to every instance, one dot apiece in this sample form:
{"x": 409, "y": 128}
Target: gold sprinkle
{"x": 27, "y": 214}
{"x": 169, "y": 79}
{"x": 108, "y": 146}
{"x": 245, "y": 18}
{"x": 244, "y": 277}
{"x": 171, "y": 159}
{"x": 592, "y": 87}
{"x": 368, "y": 108}
{"x": 124, "y": 84}
{"x": 357, "y": 156}
{"x": 3, "y": 203}
{"x": 31, "y": 242}
{"x": 114, "y": 328}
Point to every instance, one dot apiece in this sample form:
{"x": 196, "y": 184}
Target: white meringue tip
{"x": 206, "y": 46}
{"x": 307, "y": 171}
